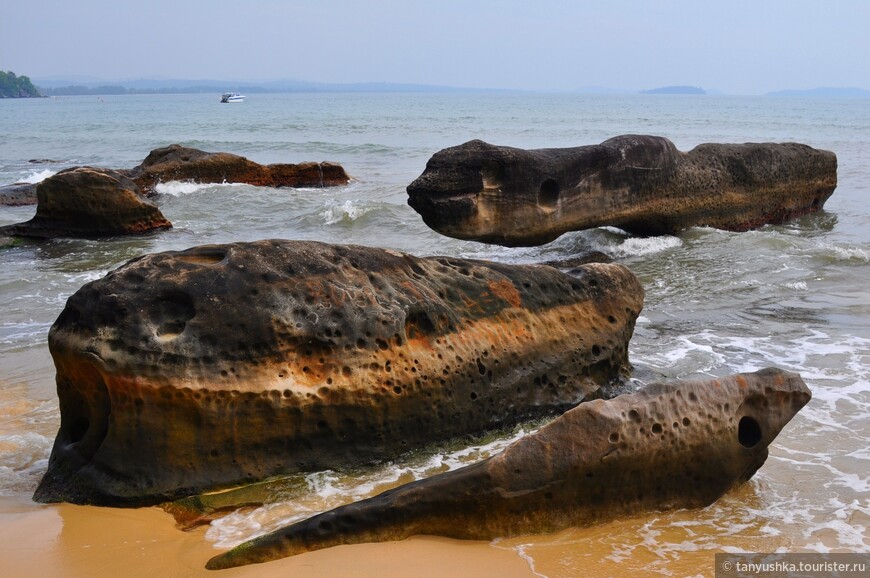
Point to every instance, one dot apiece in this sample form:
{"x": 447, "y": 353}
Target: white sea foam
{"x": 330, "y": 489}
{"x": 180, "y": 188}
{"x": 38, "y": 176}
{"x": 344, "y": 211}
{"x": 23, "y": 460}
{"x": 851, "y": 253}
{"x": 23, "y": 333}
{"x": 640, "y": 246}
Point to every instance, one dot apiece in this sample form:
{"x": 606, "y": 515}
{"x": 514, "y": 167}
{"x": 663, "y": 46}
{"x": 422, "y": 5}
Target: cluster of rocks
{"x": 98, "y": 202}
{"x": 224, "y": 365}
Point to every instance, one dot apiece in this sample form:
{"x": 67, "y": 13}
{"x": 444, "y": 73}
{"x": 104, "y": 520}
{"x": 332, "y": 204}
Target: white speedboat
{"x": 232, "y": 97}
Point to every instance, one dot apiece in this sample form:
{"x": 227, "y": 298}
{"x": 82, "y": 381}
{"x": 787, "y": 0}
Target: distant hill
{"x": 12, "y": 86}
{"x": 826, "y": 91}
{"x": 675, "y": 90}
{"x": 59, "y": 87}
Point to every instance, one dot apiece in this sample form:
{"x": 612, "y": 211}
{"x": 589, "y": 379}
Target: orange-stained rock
{"x": 224, "y": 364}
{"x": 89, "y": 202}
{"x": 669, "y": 446}
{"x": 177, "y": 163}
{"x": 640, "y": 183}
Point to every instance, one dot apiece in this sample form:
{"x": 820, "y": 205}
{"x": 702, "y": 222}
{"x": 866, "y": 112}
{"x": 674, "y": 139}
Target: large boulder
{"x": 89, "y": 202}
{"x": 642, "y": 184}
{"x": 178, "y": 163}
{"x": 669, "y": 446}
{"x": 225, "y": 364}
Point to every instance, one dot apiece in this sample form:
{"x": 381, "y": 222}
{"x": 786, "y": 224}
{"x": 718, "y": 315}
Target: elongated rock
{"x": 642, "y": 184}
{"x": 178, "y": 163}
{"x": 186, "y": 371}
{"x": 676, "y": 445}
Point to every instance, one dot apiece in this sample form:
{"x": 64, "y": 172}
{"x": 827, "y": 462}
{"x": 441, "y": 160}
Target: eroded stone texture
{"x": 177, "y": 163}
{"x": 224, "y": 364}
{"x": 676, "y": 445}
{"x": 89, "y": 202}
{"x": 641, "y": 184}
{"x": 18, "y": 194}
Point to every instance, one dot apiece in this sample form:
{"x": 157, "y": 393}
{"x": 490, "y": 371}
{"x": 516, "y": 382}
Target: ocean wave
{"x": 850, "y": 254}
{"x": 180, "y": 188}
{"x": 23, "y": 333}
{"x": 321, "y": 491}
{"x": 23, "y": 460}
{"x": 344, "y": 211}
{"x": 38, "y": 176}
{"x": 641, "y": 246}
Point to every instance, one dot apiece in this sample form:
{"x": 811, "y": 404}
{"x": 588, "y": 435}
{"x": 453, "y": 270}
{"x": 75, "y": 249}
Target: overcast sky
{"x": 736, "y": 46}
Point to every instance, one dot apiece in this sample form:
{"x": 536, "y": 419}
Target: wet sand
{"x": 73, "y": 541}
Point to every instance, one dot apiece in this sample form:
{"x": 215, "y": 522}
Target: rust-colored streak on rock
{"x": 184, "y": 371}
{"x": 506, "y": 290}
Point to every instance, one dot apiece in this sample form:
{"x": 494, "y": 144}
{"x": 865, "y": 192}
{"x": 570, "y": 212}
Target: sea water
{"x": 795, "y": 296}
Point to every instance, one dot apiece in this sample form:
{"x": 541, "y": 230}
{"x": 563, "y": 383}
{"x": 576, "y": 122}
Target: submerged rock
{"x": 18, "y": 194}
{"x": 669, "y": 446}
{"x": 185, "y": 371}
{"x": 89, "y": 202}
{"x": 178, "y": 163}
{"x": 641, "y": 184}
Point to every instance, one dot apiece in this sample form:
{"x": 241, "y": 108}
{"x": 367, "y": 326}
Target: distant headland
{"x": 13, "y": 86}
{"x": 88, "y": 86}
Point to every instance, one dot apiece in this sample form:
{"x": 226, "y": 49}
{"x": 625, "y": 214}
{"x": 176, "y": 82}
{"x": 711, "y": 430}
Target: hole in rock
{"x": 79, "y": 429}
{"x": 548, "y": 196}
{"x": 419, "y": 324}
{"x": 202, "y": 257}
{"x": 491, "y": 175}
{"x": 748, "y": 432}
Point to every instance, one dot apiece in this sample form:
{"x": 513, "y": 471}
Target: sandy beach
{"x": 79, "y": 541}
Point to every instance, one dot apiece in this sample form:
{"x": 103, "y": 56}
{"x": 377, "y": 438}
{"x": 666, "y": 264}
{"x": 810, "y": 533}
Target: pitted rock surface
{"x": 178, "y": 163}
{"x": 642, "y": 184}
{"x": 223, "y": 364}
{"x": 89, "y": 202}
{"x": 668, "y": 446}
{"x": 18, "y": 194}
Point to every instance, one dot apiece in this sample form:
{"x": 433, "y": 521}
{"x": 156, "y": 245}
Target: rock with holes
{"x": 89, "y": 202}
{"x": 669, "y": 446}
{"x": 178, "y": 163}
{"x": 224, "y": 364}
{"x": 641, "y": 184}
{"x": 18, "y": 194}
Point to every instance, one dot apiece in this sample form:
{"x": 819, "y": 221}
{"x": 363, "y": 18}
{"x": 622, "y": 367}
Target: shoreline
{"x": 67, "y": 540}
